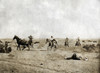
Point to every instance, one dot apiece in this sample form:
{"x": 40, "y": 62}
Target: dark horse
{"x": 24, "y": 43}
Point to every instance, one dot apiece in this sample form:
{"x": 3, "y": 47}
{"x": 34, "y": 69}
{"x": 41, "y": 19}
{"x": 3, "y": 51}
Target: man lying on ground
{"x": 74, "y": 57}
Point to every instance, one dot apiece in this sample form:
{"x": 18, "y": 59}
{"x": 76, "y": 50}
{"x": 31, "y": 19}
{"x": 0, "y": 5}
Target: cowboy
{"x": 30, "y": 40}
{"x": 78, "y": 42}
{"x": 53, "y": 42}
{"x": 66, "y": 42}
{"x": 78, "y": 39}
{"x": 30, "y": 37}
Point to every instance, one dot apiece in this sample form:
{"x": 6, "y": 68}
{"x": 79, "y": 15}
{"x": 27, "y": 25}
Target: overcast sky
{"x": 43, "y": 18}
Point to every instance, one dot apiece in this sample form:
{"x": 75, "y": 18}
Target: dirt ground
{"x": 39, "y": 60}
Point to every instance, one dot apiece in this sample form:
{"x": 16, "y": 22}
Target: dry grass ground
{"x": 39, "y": 60}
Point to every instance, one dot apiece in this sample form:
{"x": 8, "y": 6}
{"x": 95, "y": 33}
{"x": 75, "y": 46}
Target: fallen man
{"x": 74, "y": 57}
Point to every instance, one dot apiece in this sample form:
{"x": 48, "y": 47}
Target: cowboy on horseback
{"x": 66, "y": 42}
{"x": 30, "y": 42}
{"x": 51, "y": 39}
{"x": 78, "y": 42}
{"x": 51, "y": 42}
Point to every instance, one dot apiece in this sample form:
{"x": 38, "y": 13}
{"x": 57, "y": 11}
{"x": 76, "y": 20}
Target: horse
{"x": 24, "y": 43}
{"x": 51, "y": 43}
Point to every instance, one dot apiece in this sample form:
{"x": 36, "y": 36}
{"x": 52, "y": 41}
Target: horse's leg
{"x": 31, "y": 45}
{"x": 68, "y": 45}
{"x": 23, "y": 47}
{"x": 28, "y": 47}
{"x": 51, "y": 46}
{"x": 65, "y": 43}
{"x": 17, "y": 47}
{"x": 47, "y": 48}
{"x": 55, "y": 47}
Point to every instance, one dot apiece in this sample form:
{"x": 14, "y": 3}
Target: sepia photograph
{"x": 49, "y": 36}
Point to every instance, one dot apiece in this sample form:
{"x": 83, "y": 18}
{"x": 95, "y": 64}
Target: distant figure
{"x": 30, "y": 42}
{"x": 78, "y": 42}
{"x": 66, "y": 42}
{"x": 73, "y": 57}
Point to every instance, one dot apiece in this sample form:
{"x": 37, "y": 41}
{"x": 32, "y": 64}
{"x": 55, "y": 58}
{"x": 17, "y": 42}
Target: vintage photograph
{"x": 49, "y": 36}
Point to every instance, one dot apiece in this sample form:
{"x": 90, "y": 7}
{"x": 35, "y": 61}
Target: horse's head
{"x": 14, "y": 37}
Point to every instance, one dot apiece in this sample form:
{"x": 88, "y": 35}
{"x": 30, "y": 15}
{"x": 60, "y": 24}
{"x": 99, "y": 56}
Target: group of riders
{"x": 52, "y": 43}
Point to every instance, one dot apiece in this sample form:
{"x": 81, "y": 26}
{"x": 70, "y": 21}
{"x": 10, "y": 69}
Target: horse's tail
{"x": 36, "y": 42}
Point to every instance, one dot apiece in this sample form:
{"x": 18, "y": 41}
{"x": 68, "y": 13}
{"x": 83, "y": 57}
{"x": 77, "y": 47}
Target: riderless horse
{"x": 24, "y": 43}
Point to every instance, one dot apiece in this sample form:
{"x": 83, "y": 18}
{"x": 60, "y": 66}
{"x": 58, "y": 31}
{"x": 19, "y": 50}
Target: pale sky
{"x": 43, "y": 18}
